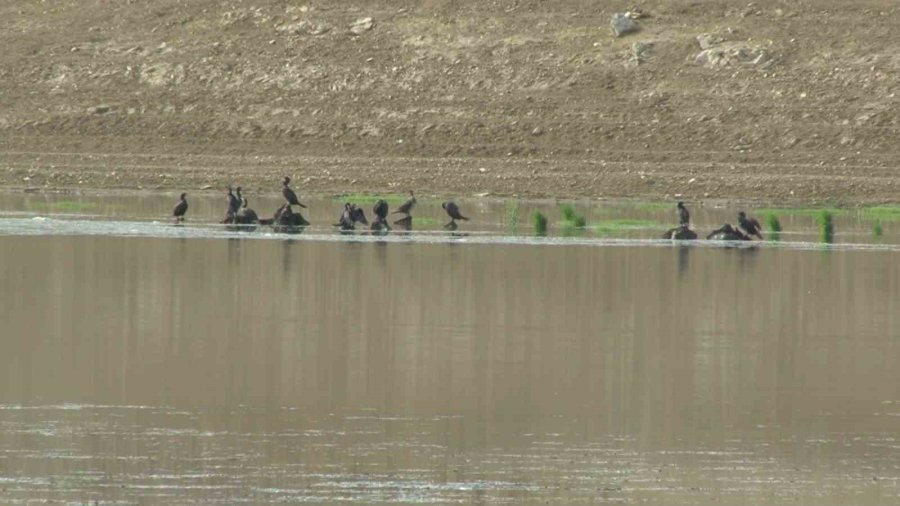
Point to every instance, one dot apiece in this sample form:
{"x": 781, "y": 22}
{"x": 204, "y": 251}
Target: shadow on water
{"x": 684, "y": 257}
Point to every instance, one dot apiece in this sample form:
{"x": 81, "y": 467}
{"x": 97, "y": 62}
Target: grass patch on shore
{"x": 623, "y": 224}
{"x": 365, "y": 198}
{"x": 425, "y": 220}
{"x": 653, "y": 206}
{"x": 877, "y": 230}
{"x": 803, "y": 211}
{"x": 881, "y": 213}
{"x": 70, "y": 206}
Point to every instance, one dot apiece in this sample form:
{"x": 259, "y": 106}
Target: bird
{"x": 684, "y": 216}
{"x": 180, "y": 208}
{"x": 727, "y": 233}
{"x": 289, "y": 194}
{"x": 246, "y": 215}
{"x": 233, "y": 205}
{"x": 358, "y": 215}
{"x": 381, "y": 211}
{"x": 453, "y": 211}
{"x": 346, "y": 221}
{"x": 681, "y": 233}
{"x": 750, "y": 225}
{"x": 407, "y": 206}
{"x": 405, "y": 222}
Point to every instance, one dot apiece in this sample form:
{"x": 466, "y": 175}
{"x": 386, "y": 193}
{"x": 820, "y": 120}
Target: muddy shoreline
{"x": 654, "y": 176}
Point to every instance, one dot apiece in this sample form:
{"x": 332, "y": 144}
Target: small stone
{"x": 361, "y": 26}
{"x": 623, "y": 24}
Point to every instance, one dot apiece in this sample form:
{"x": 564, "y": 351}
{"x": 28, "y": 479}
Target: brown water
{"x": 179, "y": 370}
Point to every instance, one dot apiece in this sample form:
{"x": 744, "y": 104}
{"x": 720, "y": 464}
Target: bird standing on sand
{"x": 289, "y": 194}
{"x": 407, "y": 206}
{"x": 750, "y": 225}
{"x": 453, "y": 211}
{"x": 684, "y": 217}
{"x": 180, "y": 208}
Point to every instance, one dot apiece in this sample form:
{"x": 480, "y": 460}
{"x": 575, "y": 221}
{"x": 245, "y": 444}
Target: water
{"x": 146, "y": 363}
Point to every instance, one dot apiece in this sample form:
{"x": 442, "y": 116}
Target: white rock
{"x": 361, "y": 26}
{"x": 623, "y": 24}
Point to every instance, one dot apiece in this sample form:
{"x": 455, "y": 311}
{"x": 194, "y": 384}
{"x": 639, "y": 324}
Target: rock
{"x": 100, "y": 109}
{"x": 361, "y": 26}
{"x": 537, "y": 131}
{"x": 707, "y": 41}
{"x": 304, "y": 27}
{"x": 734, "y": 53}
{"x": 623, "y": 24}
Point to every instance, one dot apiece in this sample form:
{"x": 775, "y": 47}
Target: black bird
{"x": 405, "y": 223}
{"x": 240, "y": 199}
{"x": 407, "y": 206}
{"x": 346, "y": 221}
{"x": 681, "y": 233}
{"x": 180, "y": 208}
{"x": 246, "y": 215}
{"x": 727, "y": 233}
{"x": 289, "y": 194}
{"x": 233, "y": 205}
{"x": 750, "y": 225}
{"x": 684, "y": 216}
{"x": 358, "y": 215}
{"x": 381, "y": 211}
{"x": 453, "y": 211}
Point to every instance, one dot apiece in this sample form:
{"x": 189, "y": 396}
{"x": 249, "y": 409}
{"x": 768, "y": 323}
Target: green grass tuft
{"x": 877, "y": 230}
{"x": 772, "y": 222}
{"x": 540, "y": 223}
{"x": 571, "y": 218}
{"x": 826, "y": 225}
{"x": 512, "y": 215}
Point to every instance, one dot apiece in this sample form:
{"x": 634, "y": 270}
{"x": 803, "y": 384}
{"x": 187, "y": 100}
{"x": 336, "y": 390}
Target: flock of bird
{"x": 285, "y": 218}
{"x": 747, "y": 228}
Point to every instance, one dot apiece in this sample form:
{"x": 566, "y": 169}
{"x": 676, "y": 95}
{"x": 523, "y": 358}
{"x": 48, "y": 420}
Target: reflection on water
{"x": 171, "y": 370}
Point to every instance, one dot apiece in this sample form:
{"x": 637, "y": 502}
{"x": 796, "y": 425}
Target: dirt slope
{"x": 793, "y": 100}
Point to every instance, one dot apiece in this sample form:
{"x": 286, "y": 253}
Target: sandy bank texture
{"x": 774, "y": 100}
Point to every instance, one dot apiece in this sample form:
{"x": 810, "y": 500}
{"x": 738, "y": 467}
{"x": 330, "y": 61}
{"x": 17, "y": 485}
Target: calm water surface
{"x": 215, "y": 368}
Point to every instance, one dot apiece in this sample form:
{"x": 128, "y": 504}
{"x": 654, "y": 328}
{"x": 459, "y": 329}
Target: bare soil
{"x": 795, "y": 103}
